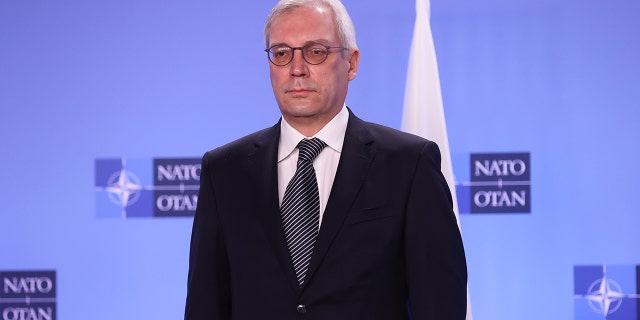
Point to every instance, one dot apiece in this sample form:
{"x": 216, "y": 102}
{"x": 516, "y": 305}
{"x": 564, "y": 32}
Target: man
{"x": 354, "y": 224}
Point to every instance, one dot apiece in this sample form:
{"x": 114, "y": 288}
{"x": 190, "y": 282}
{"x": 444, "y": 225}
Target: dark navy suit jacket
{"x": 388, "y": 247}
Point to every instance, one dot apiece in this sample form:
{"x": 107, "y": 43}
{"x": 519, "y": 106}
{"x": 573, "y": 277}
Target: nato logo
{"x": 160, "y": 187}
{"x": 500, "y": 183}
{"x": 28, "y": 295}
{"x": 606, "y": 292}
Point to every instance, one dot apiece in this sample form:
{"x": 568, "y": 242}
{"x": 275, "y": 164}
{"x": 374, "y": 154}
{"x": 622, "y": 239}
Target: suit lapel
{"x": 355, "y": 160}
{"x": 263, "y": 163}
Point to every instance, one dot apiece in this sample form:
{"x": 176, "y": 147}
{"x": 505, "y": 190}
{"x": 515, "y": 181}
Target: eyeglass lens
{"x": 312, "y": 53}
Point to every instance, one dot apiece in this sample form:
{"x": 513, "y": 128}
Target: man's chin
{"x": 299, "y": 110}
{"x": 299, "y": 115}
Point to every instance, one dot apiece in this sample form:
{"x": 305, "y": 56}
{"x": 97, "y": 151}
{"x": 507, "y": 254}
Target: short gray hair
{"x": 346, "y": 31}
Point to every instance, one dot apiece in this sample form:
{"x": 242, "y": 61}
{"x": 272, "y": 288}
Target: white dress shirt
{"x": 325, "y": 164}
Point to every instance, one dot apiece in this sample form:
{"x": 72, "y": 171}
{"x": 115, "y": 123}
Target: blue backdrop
{"x": 86, "y": 80}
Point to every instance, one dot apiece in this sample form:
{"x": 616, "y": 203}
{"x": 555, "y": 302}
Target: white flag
{"x": 423, "y": 112}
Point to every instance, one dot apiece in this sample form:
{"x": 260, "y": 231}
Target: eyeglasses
{"x": 313, "y": 53}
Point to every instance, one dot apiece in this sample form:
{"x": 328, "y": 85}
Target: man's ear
{"x": 353, "y": 64}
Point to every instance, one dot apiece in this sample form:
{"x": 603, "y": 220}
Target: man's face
{"x": 310, "y": 95}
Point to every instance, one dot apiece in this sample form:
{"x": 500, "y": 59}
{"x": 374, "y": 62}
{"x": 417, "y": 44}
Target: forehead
{"x": 303, "y": 24}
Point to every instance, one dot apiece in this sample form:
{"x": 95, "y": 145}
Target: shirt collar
{"x": 332, "y": 134}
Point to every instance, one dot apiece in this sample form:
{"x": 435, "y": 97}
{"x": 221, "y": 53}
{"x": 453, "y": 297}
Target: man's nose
{"x": 299, "y": 67}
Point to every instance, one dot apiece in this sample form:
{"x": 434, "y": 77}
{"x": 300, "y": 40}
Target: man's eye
{"x": 317, "y": 51}
{"x": 281, "y": 52}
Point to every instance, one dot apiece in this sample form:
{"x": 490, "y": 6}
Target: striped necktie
{"x": 301, "y": 207}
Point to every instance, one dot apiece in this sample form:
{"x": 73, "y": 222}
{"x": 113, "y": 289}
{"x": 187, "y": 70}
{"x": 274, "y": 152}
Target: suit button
{"x": 301, "y": 308}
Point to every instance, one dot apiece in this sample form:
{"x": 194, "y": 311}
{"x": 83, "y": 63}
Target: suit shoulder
{"x": 392, "y": 137}
{"x": 241, "y": 147}
{"x": 409, "y": 146}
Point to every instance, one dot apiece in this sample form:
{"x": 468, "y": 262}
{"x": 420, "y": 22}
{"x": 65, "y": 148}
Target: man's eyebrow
{"x": 277, "y": 44}
{"x": 321, "y": 41}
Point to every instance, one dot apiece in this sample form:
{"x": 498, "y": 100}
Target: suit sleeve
{"x": 435, "y": 260}
{"x": 208, "y": 288}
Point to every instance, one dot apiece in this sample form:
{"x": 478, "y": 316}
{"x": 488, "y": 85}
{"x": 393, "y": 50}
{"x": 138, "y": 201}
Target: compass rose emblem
{"x": 124, "y": 188}
{"x": 605, "y": 296}
{"x": 599, "y": 296}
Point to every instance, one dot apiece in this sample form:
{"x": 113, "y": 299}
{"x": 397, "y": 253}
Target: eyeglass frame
{"x": 293, "y": 49}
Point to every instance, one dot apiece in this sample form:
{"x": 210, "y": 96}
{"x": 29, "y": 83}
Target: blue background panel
{"x": 81, "y": 81}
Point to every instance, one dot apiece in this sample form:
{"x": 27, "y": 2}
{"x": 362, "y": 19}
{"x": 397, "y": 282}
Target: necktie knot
{"x": 309, "y": 149}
